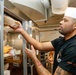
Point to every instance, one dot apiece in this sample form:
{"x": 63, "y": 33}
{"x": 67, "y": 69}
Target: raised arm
{"x": 16, "y": 25}
{"x": 37, "y": 45}
{"x": 40, "y": 46}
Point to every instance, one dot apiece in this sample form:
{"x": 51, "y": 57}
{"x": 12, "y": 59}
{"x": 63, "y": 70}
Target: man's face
{"x": 66, "y": 26}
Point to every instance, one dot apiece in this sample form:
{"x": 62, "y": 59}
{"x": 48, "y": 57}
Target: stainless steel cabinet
{"x": 1, "y": 37}
{"x": 24, "y": 57}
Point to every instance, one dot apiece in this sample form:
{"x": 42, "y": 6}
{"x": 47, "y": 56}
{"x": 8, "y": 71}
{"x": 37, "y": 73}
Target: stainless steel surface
{"x": 15, "y": 40}
{"x": 18, "y": 43}
{"x": 24, "y": 55}
{"x": 16, "y": 14}
{"x": 1, "y": 37}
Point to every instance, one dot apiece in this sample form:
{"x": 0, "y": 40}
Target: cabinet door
{"x": 1, "y": 38}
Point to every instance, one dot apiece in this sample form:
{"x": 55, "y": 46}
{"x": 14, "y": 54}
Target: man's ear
{"x": 74, "y": 25}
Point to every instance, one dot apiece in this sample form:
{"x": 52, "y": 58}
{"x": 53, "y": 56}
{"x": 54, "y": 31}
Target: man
{"x": 64, "y": 47}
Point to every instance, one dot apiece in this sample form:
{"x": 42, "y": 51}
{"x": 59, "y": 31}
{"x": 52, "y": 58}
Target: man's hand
{"x": 14, "y": 24}
{"x": 39, "y": 67}
{"x": 30, "y": 53}
{"x": 17, "y": 26}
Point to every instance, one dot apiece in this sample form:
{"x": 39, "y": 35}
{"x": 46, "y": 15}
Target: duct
{"x": 45, "y": 19}
{"x": 59, "y": 6}
{"x": 34, "y": 9}
{"x": 38, "y": 11}
{"x": 47, "y": 8}
{"x": 45, "y": 3}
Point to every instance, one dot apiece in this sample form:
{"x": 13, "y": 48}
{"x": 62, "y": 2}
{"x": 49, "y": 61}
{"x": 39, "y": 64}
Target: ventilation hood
{"x": 39, "y": 11}
{"x": 32, "y": 8}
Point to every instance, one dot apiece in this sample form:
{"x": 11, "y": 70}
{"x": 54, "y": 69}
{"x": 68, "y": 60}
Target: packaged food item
{"x": 6, "y": 72}
{"x": 7, "y": 49}
{"x": 8, "y": 21}
{"x": 6, "y": 66}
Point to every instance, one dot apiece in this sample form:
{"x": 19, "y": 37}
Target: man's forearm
{"x": 26, "y": 35}
{"x": 30, "y": 40}
{"x": 40, "y": 69}
{"x": 60, "y": 71}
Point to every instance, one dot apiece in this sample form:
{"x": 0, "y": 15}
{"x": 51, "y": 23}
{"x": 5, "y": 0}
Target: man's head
{"x": 68, "y": 24}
